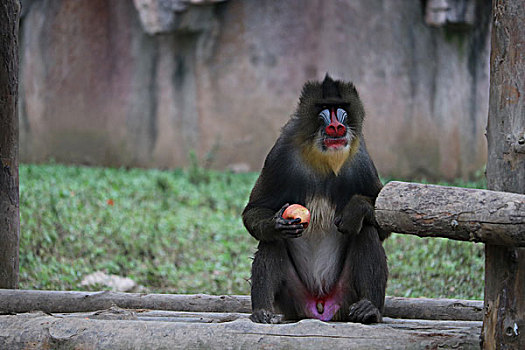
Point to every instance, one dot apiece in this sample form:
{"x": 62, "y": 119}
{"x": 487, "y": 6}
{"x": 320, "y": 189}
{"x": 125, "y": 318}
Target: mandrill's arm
{"x": 359, "y": 211}
{"x": 262, "y": 216}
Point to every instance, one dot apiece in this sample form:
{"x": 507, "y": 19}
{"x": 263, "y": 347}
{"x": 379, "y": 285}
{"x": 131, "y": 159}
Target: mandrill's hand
{"x": 286, "y": 227}
{"x": 358, "y": 211}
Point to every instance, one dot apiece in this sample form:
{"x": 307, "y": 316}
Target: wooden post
{"x": 504, "y": 320}
{"x": 9, "y": 212}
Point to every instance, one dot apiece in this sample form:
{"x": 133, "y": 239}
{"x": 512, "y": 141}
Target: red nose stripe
{"x": 335, "y": 129}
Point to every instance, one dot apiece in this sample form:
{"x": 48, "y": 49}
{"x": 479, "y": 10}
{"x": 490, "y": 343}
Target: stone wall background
{"x": 145, "y": 82}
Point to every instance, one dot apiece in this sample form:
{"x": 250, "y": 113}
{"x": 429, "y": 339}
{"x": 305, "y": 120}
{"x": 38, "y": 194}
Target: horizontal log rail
{"x": 463, "y": 214}
{"x": 20, "y": 301}
{"x": 117, "y": 329}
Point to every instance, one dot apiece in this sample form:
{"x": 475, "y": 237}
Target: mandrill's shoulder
{"x": 283, "y": 157}
{"x": 361, "y": 174}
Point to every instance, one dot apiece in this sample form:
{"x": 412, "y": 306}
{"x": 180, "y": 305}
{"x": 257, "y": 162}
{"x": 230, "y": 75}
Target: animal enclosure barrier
{"x": 126, "y": 320}
{"x": 122, "y": 320}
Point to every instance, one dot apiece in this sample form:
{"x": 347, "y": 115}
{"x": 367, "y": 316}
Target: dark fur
{"x": 287, "y": 177}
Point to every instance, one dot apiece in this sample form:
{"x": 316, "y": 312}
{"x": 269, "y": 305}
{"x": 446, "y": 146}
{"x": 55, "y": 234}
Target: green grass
{"x": 434, "y": 267}
{"x": 181, "y": 232}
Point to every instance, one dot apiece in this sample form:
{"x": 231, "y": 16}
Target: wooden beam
{"x": 504, "y": 321}
{"x": 433, "y": 309}
{"x": 115, "y": 313}
{"x": 9, "y": 200}
{"x": 452, "y": 212}
{"x": 124, "y": 331}
{"x": 20, "y": 301}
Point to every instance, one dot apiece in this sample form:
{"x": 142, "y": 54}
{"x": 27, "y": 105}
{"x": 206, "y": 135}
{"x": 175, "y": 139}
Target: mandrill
{"x": 334, "y": 268}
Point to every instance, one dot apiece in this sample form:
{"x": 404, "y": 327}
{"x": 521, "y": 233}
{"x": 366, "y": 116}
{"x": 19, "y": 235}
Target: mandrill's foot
{"x": 265, "y": 316}
{"x": 364, "y": 312}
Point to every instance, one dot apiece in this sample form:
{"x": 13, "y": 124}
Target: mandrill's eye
{"x": 341, "y": 115}
{"x": 325, "y": 116}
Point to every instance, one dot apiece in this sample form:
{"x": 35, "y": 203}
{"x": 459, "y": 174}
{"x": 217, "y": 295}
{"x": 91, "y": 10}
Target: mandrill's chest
{"x": 317, "y": 254}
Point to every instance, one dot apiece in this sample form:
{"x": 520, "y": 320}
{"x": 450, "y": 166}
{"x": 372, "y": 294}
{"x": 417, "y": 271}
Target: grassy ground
{"x": 180, "y": 232}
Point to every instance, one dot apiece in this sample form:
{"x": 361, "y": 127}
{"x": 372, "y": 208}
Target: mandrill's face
{"x": 334, "y": 133}
{"x": 327, "y": 124}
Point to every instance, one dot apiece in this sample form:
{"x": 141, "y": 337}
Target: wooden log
{"x": 9, "y": 197}
{"x": 41, "y": 331}
{"x": 504, "y": 322}
{"x": 20, "y": 301}
{"x": 434, "y": 309}
{"x": 115, "y": 313}
{"x": 452, "y": 212}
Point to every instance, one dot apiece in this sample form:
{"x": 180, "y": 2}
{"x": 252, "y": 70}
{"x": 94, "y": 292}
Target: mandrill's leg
{"x": 367, "y": 268}
{"x": 267, "y": 278}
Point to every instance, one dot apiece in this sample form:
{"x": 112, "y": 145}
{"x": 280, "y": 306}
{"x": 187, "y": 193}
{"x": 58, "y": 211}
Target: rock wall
{"x": 121, "y": 83}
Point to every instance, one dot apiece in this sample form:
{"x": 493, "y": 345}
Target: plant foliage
{"x": 180, "y": 231}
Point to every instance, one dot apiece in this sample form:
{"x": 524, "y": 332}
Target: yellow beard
{"x": 330, "y": 160}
